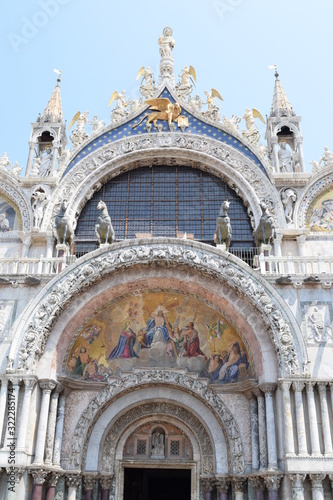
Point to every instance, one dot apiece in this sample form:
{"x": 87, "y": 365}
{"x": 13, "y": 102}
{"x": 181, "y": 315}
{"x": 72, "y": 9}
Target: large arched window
{"x": 166, "y": 201}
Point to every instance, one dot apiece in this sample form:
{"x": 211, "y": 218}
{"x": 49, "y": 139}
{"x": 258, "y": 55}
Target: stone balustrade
{"x": 295, "y": 265}
{"x": 33, "y": 267}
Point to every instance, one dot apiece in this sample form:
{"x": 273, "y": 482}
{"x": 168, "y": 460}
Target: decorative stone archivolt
{"x": 159, "y": 410}
{"x": 11, "y": 192}
{"x": 36, "y": 322}
{"x": 111, "y": 160}
{"x": 182, "y": 380}
{"x": 317, "y": 187}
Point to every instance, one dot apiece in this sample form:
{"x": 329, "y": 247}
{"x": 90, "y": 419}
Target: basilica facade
{"x": 166, "y": 302}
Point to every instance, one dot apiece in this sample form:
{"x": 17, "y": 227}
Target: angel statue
{"x": 252, "y": 133}
{"x": 187, "y": 79}
{"x": 147, "y": 85}
{"x": 96, "y": 125}
{"x": 213, "y": 110}
{"x": 79, "y": 134}
{"x": 119, "y": 111}
{"x": 163, "y": 109}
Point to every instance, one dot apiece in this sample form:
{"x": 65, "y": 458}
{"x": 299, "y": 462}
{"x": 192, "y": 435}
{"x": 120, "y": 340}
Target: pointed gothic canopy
{"x": 53, "y": 110}
{"x": 280, "y": 103}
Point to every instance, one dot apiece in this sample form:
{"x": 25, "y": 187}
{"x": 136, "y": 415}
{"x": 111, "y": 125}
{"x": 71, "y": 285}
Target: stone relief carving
{"x": 180, "y": 379}
{"x": 73, "y": 282}
{"x": 146, "y": 410}
{"x": 320, "y": 186}
{"x": 317, "y": 322}
{"x": 7, "y": 312}
{"x": 94, "y": 166}
{"x": 39, "y": 201}
{"x": 13, "y": 194}
{"x": 288, "y": 198}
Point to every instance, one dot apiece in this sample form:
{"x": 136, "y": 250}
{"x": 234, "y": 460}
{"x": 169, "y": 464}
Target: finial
{"x": 276, "y": 74}
{"x": 58, "y": 71}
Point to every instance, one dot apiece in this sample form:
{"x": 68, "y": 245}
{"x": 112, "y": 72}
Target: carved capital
{"x": 298, "y": 386}
{"x": 73, "y": 480}
{"x": 257, "y": 392}
{"x": 89, "y": 481}
{"x": 222, "y": 483}
{"x": 297, "y": 479}
{"x": 208, "y": 483}
{"x": 59, "y": 388}
{"x": 39, "y": 475}
{"x": 273, "y": 482}
{"x": 258, "y": 483}
{"x": 309, "y": 387}
{"x": 15, "y": 380}
{"x": 317, "y": 480}
{"x": 54, "y": 478}
{"x": 322, "y": 387}
{"x": 47, "y": 385}
{"x": 268, "y": 388}
{"x": 239, "y": 483}
{"x": 15, "y": 472}
{"x": 29, "y": 382}
{"x": 106, "y": 481}
{"x": 284, "y": 385}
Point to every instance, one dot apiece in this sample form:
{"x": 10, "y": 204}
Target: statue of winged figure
{"x": 252, "y": 133}
{"x": 147, "y": 85}
{"x": 79, "y": 134}
{"x": 187, "y": 79}
{"x": 213, "y": 110}
{"x": 162, "y": 109}
{"x": 119, "y": 111}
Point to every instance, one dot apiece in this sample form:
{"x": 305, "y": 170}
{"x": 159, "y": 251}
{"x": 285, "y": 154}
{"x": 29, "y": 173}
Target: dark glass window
{"x": 164, "y": 201}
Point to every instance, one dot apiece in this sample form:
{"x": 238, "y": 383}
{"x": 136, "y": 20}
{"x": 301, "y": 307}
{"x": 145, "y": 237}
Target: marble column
{"x": 276, "y": 162}
{"x": 270, "y": 422}
{"x": 39, "y": 477}
{"x": 30, "y": 158}
{"x": 222, "y": 484}
{"x": 315, "y": 446}
{"x": 262, "y": 428}
{"x": 51, "y": 427}
{"x": 106, "y": 483}
{"x": 287, "y": 418}
{"x": 73, "y": 481}
{"x": 300, "y": 152}
{"x": 51, "y": 485}
{"x": 47, "y": 386}
{"x": 317, "y": 486}
{"x": 49, "y": 246}
{"x": 12, "y": 406}
{"x": 325, "y": 419}
{"x": 29, "y": 384}
{"x": 258, "y": 484}
{"x": 89, "y": 483}
{"x": 297, "y": 481}
{"x": 54, "y": 158}
{"x": 59, "y": 429}
{"x": 331, "y": 479}
{"x": 300, "y": 422}
{"x": 208, "y": 484}
{"x": 273, "y": 486}
{"x": 239, "y": 486}
{"x": 254, "y": 430}
{"x": 3, "y": 404}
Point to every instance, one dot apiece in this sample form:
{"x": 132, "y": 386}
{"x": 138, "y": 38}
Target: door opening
{"x": 157, "y": 484}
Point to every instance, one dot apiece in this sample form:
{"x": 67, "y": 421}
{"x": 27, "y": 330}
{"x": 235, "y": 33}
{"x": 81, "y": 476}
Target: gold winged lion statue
{"x": 162, "y": 109}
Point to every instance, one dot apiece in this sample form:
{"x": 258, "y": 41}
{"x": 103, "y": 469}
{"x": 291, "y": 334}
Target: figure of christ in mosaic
{"x": 157, "y": 328}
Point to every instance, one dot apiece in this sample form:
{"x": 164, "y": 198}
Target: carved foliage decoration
{"x": 72, "y": 282}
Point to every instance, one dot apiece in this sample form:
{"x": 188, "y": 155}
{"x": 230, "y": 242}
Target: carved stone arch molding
{"x": 158, "y": 393}
{"x": 318, "y": 185}
{"x": 221, "y": 160}
{"x": 34, "y": 326}
{"x": 11, "y": 191}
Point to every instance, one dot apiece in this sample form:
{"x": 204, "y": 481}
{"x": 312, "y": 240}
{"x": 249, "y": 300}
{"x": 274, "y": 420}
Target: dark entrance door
{"x": 157, "y": 484}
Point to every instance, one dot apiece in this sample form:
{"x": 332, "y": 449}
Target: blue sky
{"x": 100, "y": 46}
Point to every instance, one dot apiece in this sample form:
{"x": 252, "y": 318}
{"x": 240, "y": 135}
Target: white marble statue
{"x": 38, "y": 203}
{"x": 196, "y": 103}
{"x": 96, "y": 125}
{"x": 252, "y": 133}
{"x": 213, "y": 110}
{"x": 7, "y": 166}
{"x": 79, "y": 135}
{"x": 285, "y": 159}
{"x": 231, "y": 124}
{"x": 288, "y": 198}
{"x": 119, "y": 111}
{"x": 327, "y": 158}
{"x": 45, "y": 163}
{"x": 4, "y": 162}
{"x": 166, "y": 43}
{"x": 187, "y": 79}
{"x": 147, "y": 85}
{"x": 157, "y": 442}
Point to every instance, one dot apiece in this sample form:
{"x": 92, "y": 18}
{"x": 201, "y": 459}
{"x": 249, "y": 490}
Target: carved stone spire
{"x": 166, "y": 43}
{"x": 280, "y": 103}
{"x": 53, "y": 110}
